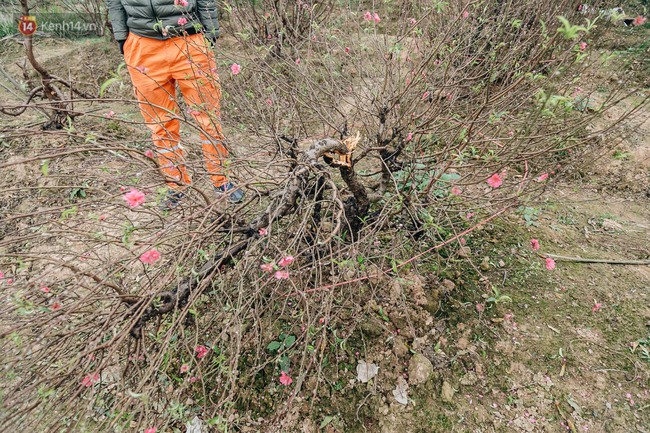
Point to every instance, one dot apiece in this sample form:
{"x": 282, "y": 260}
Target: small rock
{"x": 400, "y": 348}
{"x": 462, "y": 343}
{"x": 469, "y": 379}
{"x": 194, "y": 426}
{"x": 464, "y": 252}
{"x": 309, "y": 426}
{"x": 485, "y": 264}
{"x": 448, "y": 285}
{"x": 420, "y": 369}
{"x": 396, "y": 291}
{"x": 372, "y": 327}
{"x": 432, "y": 304}
{"x": 447, "y": 392}
{"x": 375, "y": 274}
{"x": 611, "y": 225}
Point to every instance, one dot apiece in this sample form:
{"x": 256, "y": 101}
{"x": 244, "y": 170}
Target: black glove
{"x": 212, "y": 38}
{"x": 122, "y": 45}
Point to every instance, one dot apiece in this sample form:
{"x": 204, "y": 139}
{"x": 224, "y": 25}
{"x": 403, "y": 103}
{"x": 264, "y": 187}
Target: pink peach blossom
{"x": 281, "y": 275}
{"x": 285, "y": 379}
{"x": 201, "y": 351}
{"x": 495, "y": 181}
{"x": 90, "y": 380}
{"x": 534, "y": 243}
{"x": 235, "y": 68}
{"x": 134, "y": 198}
{"x": 367, "y": 16}
{"x": 550, "y": 264}
{"x": 150, "y": 257}
{"x": 286, "y": 261}
{"x": 267, "y": 267}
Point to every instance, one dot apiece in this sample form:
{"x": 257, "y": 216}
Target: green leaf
{"x": 68, "y": 213}
{"x": 284, "y": 363}
{"x": 328, "y": 419}
{"x": 107, "y": 83}
{"x": 45, "y": 166}
{"x": 273, "y": 346}
{"x": 448, "y": 177}
{"x": 576, "y": 407}
{"x": 288, "y": 342}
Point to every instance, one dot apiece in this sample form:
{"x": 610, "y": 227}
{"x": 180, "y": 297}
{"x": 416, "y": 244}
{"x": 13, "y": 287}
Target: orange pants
{"x": 156, "y": 66}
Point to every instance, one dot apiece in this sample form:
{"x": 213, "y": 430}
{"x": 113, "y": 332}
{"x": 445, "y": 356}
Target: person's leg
{"x": 195, "y": 72}
{"x": 155, "y": 90}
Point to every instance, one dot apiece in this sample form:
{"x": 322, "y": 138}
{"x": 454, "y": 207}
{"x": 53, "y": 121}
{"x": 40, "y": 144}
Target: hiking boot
{"x": 171, "y": 200}
{"x": 235, "y": 195}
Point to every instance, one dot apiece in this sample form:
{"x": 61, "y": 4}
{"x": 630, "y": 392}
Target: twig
{"x": 568, "y": 420}
{"x": 609, "y": 261}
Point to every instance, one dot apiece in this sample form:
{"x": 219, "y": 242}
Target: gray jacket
{"x": 158, "y": 19}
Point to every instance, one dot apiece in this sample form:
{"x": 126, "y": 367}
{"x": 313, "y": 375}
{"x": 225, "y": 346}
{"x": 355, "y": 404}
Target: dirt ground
{"x": 515, "y": 347}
